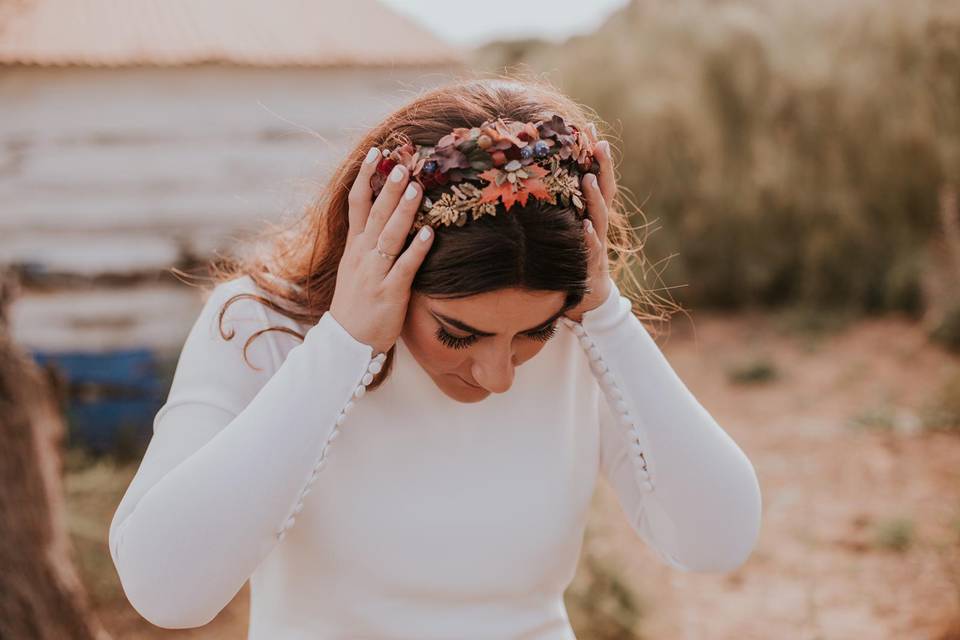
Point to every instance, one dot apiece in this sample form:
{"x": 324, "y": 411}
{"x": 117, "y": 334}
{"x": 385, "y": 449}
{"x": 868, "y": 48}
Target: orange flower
{"x": 510, "y": 191}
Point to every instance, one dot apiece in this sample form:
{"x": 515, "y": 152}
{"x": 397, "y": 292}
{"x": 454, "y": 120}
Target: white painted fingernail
{"x": 397, "y": 174}
{"x": 589, "y": 226}
{"x": 372, "y": 155}
{"x": 410, "y": 193}
{"x": 424, "y": 233}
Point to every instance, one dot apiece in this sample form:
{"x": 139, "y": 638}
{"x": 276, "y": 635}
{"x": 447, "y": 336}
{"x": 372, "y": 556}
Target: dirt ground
{"x": 861, "y": 504}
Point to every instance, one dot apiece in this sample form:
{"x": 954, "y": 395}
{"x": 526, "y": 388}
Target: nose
{"x": 494, "y": 370}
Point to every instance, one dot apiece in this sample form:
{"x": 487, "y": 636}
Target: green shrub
{"x": 942, "y": 411}
{"x": 947, "y": 330}
{"x": 896, "y": 534}
{"x": 760, "y": 369}
{"x": 879, "y": 417}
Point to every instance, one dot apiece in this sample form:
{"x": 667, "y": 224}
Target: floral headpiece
{"x": 471, "y": 170}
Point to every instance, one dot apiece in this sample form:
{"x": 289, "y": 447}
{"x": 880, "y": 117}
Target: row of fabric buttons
{"x": 373, "y": 368}
{"x": 615, "y": 397}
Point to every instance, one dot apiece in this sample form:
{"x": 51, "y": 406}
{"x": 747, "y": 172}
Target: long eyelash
{"x": 458, "y": 342}
{"x": 544, "y": 334}
{"x": 454, "y": 342}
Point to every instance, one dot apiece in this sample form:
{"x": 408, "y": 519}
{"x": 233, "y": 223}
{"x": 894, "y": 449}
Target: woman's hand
{"x": 372, "y": 292}
{"x": 599, "y": 195}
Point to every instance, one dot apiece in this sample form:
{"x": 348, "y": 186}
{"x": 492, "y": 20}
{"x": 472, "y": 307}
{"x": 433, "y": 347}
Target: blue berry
{"x": 429, "y": 166}
{"x": 541, "y": 149}
{"x": 526, "y": 152}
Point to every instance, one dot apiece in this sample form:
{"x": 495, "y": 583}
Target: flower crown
{"x": 471, "y": 170}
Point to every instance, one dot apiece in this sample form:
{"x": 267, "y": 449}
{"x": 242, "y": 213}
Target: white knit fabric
{"x": 400, "y": 512}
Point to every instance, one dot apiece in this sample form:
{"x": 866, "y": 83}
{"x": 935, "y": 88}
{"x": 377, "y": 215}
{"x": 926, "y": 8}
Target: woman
{"x": 399, "y": 432}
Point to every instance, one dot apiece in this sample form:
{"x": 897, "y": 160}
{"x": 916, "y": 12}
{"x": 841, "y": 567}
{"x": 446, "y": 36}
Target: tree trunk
{"x": 41, "y": 595}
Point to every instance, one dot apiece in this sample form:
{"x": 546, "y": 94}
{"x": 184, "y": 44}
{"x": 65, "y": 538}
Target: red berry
{"x": 385, "y": 165}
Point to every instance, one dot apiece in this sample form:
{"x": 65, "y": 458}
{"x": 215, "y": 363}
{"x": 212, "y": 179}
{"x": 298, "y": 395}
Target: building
{"x": 133, "y": 132}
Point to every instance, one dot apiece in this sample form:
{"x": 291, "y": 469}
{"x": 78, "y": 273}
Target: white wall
{"x": 194, "y": 150}
{"x": 109, "y": 170}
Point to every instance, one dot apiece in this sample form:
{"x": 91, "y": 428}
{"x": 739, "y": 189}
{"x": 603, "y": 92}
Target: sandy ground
{"x": 861, "y": 524}
{"x": 830, "y": 489}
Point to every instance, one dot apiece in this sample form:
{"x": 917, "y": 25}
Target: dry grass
{"x": 791, "y": 153}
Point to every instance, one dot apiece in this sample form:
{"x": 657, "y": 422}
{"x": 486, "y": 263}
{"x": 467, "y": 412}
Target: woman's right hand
{"x": 372, "y": 292}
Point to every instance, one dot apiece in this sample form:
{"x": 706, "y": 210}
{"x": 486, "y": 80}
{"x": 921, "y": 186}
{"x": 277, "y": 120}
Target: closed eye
{"x": 462, "y": 342}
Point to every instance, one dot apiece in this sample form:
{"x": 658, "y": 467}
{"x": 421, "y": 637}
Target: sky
{"x": 471, "y": 24}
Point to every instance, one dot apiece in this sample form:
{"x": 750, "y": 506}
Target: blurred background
{"x": 798, "y": 167}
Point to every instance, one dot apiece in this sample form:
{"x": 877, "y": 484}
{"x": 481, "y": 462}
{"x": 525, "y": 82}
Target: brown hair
{"x": 536, "y": 247}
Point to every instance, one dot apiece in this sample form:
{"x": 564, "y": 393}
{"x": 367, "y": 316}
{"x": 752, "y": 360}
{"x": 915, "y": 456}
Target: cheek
{"x": 527, "y": 349}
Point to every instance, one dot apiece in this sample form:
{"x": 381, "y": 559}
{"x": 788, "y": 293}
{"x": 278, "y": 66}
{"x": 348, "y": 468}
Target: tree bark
{"x": 41, "y": 595}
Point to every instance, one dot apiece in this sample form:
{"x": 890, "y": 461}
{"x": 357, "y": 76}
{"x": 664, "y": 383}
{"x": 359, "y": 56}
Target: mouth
{"x": 468, "y": 384}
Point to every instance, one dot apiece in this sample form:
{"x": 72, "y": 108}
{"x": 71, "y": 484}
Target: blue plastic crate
{"x": 113, "y": 396}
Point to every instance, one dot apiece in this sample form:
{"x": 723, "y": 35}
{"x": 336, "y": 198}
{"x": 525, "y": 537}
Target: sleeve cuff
{"x": 347, "y": 345}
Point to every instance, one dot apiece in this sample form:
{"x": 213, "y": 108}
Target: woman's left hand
{"x": 599, "y": 194}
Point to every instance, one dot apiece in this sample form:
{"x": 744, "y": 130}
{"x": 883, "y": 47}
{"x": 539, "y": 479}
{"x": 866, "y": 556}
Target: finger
{"x": 608, "y": 181}
{"x": 386, "y": 202}
{"x": 596, "y": 205}
{"x": 594, "y": 242}
{"x": 593, "y": 136}
{"x": 406, "y": 266}
{"x": 397, "y": 229}
{"x": 360, "y": 197}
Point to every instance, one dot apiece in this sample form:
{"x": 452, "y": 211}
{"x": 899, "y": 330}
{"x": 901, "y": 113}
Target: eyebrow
{"x": 463, "y": 326}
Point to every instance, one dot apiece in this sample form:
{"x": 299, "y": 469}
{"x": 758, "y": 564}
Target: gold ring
{"x": 384, "y": 254}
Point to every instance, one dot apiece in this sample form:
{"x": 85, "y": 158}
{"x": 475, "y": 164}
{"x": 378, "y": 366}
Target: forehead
{"x": 500, "y": 311}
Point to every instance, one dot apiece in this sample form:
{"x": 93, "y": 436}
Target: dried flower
{"x": 472, "y": 170}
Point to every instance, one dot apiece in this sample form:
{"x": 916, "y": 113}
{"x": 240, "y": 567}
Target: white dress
{"x": 402, "y": 513}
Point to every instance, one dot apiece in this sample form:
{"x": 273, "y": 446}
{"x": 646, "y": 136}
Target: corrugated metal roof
{"x": 247, "y": 32}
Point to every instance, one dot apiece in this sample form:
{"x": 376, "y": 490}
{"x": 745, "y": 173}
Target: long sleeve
{"x": 686, "y": 487}
{"x": 234, "y": 451}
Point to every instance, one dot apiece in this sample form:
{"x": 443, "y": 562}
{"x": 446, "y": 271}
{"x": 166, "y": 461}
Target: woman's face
{"x": 463, "y": 361}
